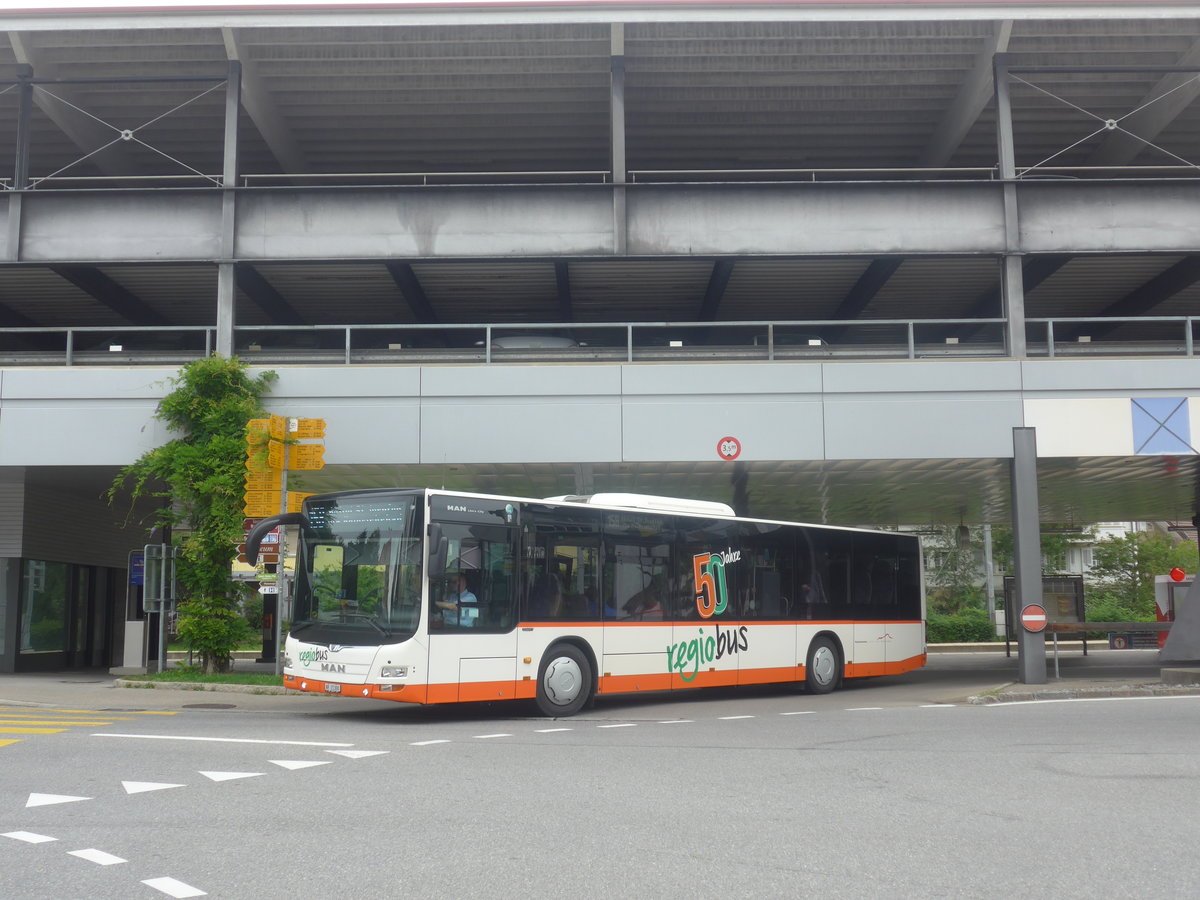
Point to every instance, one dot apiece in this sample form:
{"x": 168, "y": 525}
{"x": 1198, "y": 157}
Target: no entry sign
{"x": 1033, "y": 618}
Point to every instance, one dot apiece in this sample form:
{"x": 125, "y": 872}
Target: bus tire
{"x": 564, "y": 683}
{"x": 823, "y": 672}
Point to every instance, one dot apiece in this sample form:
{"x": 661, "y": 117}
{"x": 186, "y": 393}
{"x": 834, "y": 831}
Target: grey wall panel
{"x": 12, "y": 511}
{"x": 923, "y": 376}
{"x": 297, "y": 384}
{"x": 722, "y": 378}
{"x": 525, "y": 381}
{"x": 1171, "y": 376}
{"x": 530, "y": 429}
{"x": 1146, "y": 216}
{"x": 447, "y": 221}
{"x": 363, "y": 430}
{"x": 688, "y": 429}
{"x": 102, "y": 226}
{"x": 148, "y": 383}
{"x": 63, "y": 525}
{"x": 920, "y": 429}
{"x": 816, "y": 218}
{"x": 81, "y": 432}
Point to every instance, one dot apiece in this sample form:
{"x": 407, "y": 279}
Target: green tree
{"x": 1123, "y": 570}
{"x": 953, "y": 572}
{"x": 199, "y": 475}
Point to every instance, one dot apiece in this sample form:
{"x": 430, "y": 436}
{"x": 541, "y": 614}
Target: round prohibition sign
{"x": 729, "y": 448}
{"x": 1033, "y": 618}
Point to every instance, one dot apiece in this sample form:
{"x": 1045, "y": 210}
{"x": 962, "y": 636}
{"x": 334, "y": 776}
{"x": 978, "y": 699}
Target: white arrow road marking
{"x": 99, "y": 857}
{"x": 51, "y": 799}
{"x": 28, "y": 837}
{"x": 229, "y": 776}
{"x": 140, "y": 787}
{"x": 174, "y": 888}
{"x": 300, "y": 763}
{"x": 358, "y": 754}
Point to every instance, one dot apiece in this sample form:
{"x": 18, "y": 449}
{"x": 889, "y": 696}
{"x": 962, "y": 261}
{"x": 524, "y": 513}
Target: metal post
{"x": 989, "y": 573}
{"x": 226, "y": 287}
{"x": 617, "y": 119}
{"x": 1027, "y": 554}
{"x": 281, "y": 581}
{"x": 1012, "y": 286}
{"x": 21, "y": 163}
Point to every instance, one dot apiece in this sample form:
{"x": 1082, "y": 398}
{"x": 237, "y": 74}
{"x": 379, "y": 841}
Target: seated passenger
{"x": 546, "y": 600}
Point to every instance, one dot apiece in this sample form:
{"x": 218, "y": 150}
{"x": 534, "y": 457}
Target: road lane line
{"x": 484, "y": 737}
{"x": 31, "y": 730}
{"x": 427, "y": 743}
{"x": 620, "y": 725}
{"x": 802, "y": 712}
{"x": 99, "y": 857}
{"x": 552, "y": 730}
{"x": 216, "y": 740}
{"x": 173, "y": 887}
{"x": 731, "y": 718}
{"x": 28, "y": 837}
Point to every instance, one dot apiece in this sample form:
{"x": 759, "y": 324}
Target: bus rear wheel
{"x": 823, "y": 672}
{"x": 564, "y": 681}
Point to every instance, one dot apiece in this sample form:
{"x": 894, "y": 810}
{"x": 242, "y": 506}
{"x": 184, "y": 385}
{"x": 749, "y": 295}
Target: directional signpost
{"x": 273, "y": 447}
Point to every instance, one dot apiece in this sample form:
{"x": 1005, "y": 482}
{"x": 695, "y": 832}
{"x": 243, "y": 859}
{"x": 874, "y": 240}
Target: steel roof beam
{"x": 257, "y": 102}
{"x": 1142, "y": 300}
{"x": 85, "y": 132}
{"x": 263, "y": 294}
{"x": 115, "y": 296}
{"x": 972, "y": 98}
{"x": 1157, "y": 110}
{"x": 562, "y": 281}
{"x": 859, "y": 297}
{"x": 413, "y": 293}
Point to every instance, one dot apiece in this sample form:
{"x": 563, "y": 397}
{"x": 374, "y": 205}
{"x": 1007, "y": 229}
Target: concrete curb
{"x": 1027, "y": 695}
{"x": 202, "y": 686}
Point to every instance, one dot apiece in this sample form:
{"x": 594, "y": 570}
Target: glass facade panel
{"x": 44, "y": 607}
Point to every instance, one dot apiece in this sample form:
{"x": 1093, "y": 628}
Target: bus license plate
{"x": 333, "y": 688}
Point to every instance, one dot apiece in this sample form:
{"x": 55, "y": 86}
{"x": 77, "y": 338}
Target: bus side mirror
{"x": 263, "y": 528}
{"x": 439, "y": 547}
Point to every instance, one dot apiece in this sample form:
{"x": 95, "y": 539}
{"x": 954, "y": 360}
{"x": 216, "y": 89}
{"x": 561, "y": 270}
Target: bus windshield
{"x": 358, "y": 578}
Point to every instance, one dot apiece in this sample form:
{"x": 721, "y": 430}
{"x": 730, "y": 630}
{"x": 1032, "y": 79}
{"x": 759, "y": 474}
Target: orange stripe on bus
{"x": 526, "y": 689}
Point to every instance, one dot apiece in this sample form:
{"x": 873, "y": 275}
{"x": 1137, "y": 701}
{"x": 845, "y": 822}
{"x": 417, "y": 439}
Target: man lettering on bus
{"x": 460, "y": 607}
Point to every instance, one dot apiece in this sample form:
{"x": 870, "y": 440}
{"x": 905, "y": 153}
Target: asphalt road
{"x": 890, "y": 788}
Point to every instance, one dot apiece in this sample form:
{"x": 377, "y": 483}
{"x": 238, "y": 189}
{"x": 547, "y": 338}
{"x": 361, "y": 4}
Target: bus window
{"x": 561, "y": 565}
{"x": 476, "y": 590}
{"x": 637, "y": 581}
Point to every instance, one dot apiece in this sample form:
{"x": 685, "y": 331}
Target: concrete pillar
{"x": 1027, "y": 554}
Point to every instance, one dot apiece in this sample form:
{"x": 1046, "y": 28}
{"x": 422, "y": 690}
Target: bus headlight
{"x": 393, "y": 672}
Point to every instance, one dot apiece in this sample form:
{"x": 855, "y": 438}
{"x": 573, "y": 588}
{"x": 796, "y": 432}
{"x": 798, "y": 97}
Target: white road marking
{"x": 99, "y": 857}
{"x": 358, "y": 754}
{"x": 620, "y": 725}
{"x": 730, "y": 718}
{"x": 677, "y": 722}
{"x": 552, "y": 730}
{"x": 484, "y": 737}
{"x": 174, "y": 888}
{"x": 937, "y": 705}
{"x": 293, "y": 764}
{"x": 51, "y": 799}
{"x": 141, "y": 787}
{"x": 802, "y": 712}
{"x": 28, "y": 837}
{"x": 183, "y": 737}
{"x": 427, "y": 743}
{"x": 1095, "y": 699}
{"x": 229, "y": 776}
{"x": 863, "y": 708}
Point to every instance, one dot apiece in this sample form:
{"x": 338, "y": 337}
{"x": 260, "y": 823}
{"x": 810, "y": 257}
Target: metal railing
{"x": 600, "y": 342}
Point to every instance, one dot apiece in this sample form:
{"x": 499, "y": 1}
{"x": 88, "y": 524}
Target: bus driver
{"x": 459, "y": 608}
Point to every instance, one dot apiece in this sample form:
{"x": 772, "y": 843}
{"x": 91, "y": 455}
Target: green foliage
{"x": 199, "y": 475}
{"x": 1123, "y": 569}
{"x": 966, "y": 627}
{"x": 952, "y": 573}
{"x": 252, "y": 610}
{"x": 1054, "y": 548}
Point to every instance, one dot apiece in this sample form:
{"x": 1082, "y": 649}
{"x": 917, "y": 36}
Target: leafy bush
{"x": 208, "y": 626}
{"x": 967, "y": 627}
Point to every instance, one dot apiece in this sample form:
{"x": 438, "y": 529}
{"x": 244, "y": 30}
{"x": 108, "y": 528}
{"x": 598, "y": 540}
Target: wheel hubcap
{"x": 563, "y": 681}
{"x": 824, "y": 665}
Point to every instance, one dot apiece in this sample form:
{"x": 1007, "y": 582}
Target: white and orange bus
{"x": 434, "y": 596}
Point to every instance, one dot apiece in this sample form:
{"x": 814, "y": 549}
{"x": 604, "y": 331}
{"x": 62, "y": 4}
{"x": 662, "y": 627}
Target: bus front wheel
{"x": 824, "y": 669}
{"x": 564, "y": 681}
